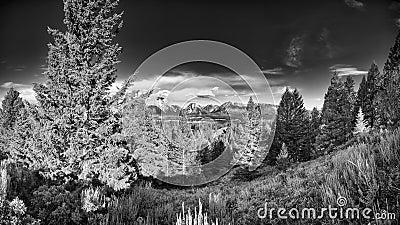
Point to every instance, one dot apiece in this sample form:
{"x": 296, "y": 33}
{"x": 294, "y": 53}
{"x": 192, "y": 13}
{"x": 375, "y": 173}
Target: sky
{"x": 296, "y": 44}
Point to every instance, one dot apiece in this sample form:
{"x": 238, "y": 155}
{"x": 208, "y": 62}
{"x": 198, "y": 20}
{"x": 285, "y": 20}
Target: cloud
{"x": 274, "y": 71}
{"x": 9, "y": 85}
{"x": 25, "y": 90}
{"x": 214, "y": 86}
{"x": 347, "y": 70}
{"x": 207, "y": 93}
{"x": 279, "y": 90}
{"x": 326, "y": 48}
{"x": 294, "y": 52}
{"x": 162, "y": 93}
{"x": 338, "y": 66}
{"x": 354, "y": 4}
{"x": 19, "y": 68}
{"x": 158, "y": 95}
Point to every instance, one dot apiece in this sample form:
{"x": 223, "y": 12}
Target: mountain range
{"x": 212, "y": 111}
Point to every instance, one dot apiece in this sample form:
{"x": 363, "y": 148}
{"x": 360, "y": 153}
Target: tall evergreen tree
{"x": 291, "y": 126}
{"x": 393, "y": 60}
{"x": 315, "y": 125}
{"x": 362, "y": 94}
{"x": 337, "y": 115}
{"x": 80, "y": 133}
{"x": 349, "y": 106}
{"x": 11, "y": 107}
{"x": 242, "y": 135}
{"x": 388, "y": 93}
{"x": 369, "y": 110}
{"x": 144, "y": 137}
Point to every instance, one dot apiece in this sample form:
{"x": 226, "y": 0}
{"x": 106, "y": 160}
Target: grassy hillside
{"x": 365, "y": 172}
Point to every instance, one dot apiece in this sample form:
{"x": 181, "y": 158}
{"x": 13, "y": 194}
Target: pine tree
{"x": 250, "y": 104}
{"x": 185, "y": 145}
{"x": 284, "y": 152}
{"x": 252, "y": 110}
{"x": 369, "y": 109}
{"x": 336, "y": 116}
{"x": 361, "y": 126}
{"x": 315, "y": 125}
{"x": 242, "y": 138}
{"x": 362, "y": 95}
{"x": 350, "y": 112}
{"x": 11, "y": 105}
{"x": 80, "y": 132}
{"x": 291, "y": 126}
{"x": 393, "y": 60}
{"x": 387, "y": 91}
{"x": 144, "y": 136}
{"x": 391, "y": 104}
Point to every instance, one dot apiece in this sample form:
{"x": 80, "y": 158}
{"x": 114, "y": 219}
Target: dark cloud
{"x": 300, "y": 38}
{"x": 294, "y": 52}
{"x": 355, "y": 4}
{"x": 327, "y": 49}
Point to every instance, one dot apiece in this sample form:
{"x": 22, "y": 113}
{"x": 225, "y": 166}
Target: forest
{"x": 83, "y": 155}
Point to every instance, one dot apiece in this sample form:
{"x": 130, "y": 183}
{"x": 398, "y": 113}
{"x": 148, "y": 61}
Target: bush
{"x": 55, "y": 205}
{"x": 22, "y": 183}
{"x": 14, "y": 212}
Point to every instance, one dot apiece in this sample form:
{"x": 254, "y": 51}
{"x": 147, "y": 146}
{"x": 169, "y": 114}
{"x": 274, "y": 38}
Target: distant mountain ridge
{"x": 194, "y": 109}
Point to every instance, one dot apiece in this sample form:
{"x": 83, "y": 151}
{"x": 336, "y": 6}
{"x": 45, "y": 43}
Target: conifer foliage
{"x": 388, "y": 83}
{"x": 361, "y": 125}
{"x": 292, "y": 126}
{"x": 315, "y": 126}
{"x": 11, "y": 107}
{"x": 369, "y": 110}
{"x": 337, "y": 114}
{"x": 77, "y": 134}
{"x": 366, "y": 95}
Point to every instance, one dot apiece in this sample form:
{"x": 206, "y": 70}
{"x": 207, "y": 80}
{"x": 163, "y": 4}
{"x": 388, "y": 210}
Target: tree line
{"x": 346, "y": 113}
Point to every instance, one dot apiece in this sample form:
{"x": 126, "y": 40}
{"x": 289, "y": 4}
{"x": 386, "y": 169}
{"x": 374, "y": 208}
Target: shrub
{"x": 14, "y": 212}
{"x": 22, "y": 183}
{"x": 138, "y": 207}
{"x": 55, "y": 205}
